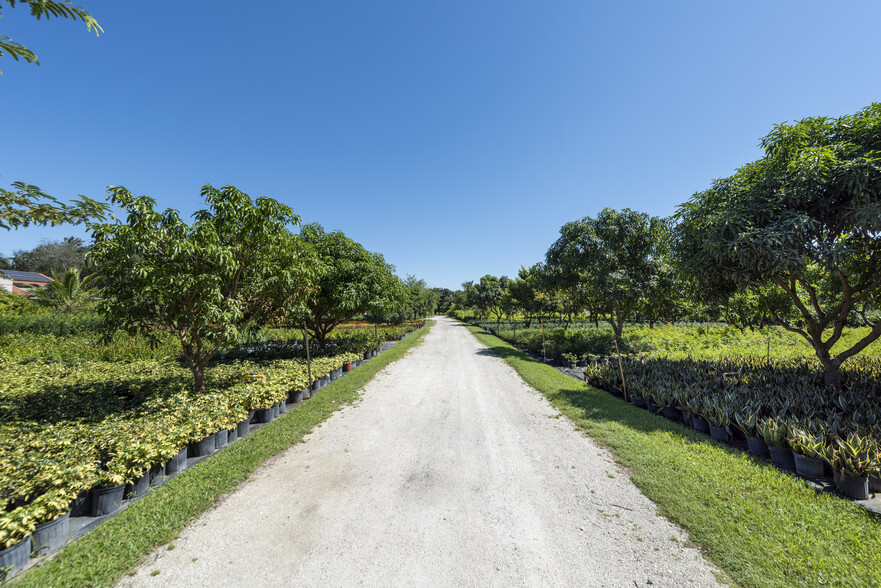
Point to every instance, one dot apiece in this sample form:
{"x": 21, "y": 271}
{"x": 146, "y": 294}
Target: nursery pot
{"x": 856, "y": 487}
{"x": 700, "y": 425}
{"x": 203, "y": 447}
{"x": 251, "y": 414}
{"x": 81, "y": 506}
{"x": 220, "y": 439}
{"x": 50, "y": 536}
{"x": 307, "y": 392}
{"x": 14, "y": 558}
{"x": 243, "y": 428}
{"x": 782, "y": 457}
{"x": 295, "y": 396}
{"x": 809, "y": 467}
{"x": 757, "y": 446}
{"x": 875, "y": 483}
{"x": 347, "y": 367}
{"x": 720, "y": 434}
{"x": 106, "y": 500}
{"x": 178, "y": 463}
{"x": 265, "y": 415}
{"x": 638, "y": 402}
{"x": 652, "y": 407}
{"x": 139, "y": 487}
{"x": 686, "y": 418}
{"x": 673, "y": 414}
{"x": 232, "y": 435}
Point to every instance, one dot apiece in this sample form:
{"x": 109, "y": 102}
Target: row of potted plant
{"x": 48, "y": 461}
{"x": 781, "y": 408}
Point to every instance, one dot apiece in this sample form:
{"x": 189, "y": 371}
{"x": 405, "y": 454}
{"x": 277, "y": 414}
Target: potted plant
{"x": 808, "y": 449}
{"x": 718, "y": 416}
{"x": 853, "y": 458}
{"x": 774, "y": 432}
{"x": 747, "y": 420}
{"x": 107, "y": 495}
{"x": 51, "y": 514}
{"x": 15, "y": 541}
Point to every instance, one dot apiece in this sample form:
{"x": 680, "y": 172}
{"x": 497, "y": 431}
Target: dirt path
{"x": 450, "y": 472}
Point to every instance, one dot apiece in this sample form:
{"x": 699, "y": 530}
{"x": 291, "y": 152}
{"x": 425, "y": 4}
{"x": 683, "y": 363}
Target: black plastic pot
{"x": 14, "y": 558}
{"x": 686, "y": 418}
{"x": 243, "y": 428}
{"x": 220, "y": 439}
{"x": 50, "y": 536}
{"x": 757, "y": 446}
{"x": 720, "y": 434}
{"x": 203, "y": 447}
{"x": 265, "y": 415}
{"x": 251, "y": 415}
{"x": 856, "y": 487}
{"x": 106, "y": 500}
{"x": 282, "y": 407}
{"x": 652, "y": 407}
{"x": 178, "y": 463}
{"x": 295, "y": 396}
{"x": 673, "y": 414}
{"x": 81, "y": 506}
{"x": 875, "y": 483}
{"x": 275, "y": 411}
{"x": 782, "y": 457}
{"x": 232, "y": 435}
{"x": 809, "y": 467}
{"x": 139, "y": 488}
{"x": 307, "y": 392}
{"x": 700, "y": 425}
{"x": 638, "y": 402}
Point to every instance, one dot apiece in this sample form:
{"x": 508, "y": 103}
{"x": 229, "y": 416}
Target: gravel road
{"x": 450, "y": 471}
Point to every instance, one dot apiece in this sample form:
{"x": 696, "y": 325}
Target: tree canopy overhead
{"x": 41, "y": 9}
{"x": 805, "y": 221}
{"x": 27, "y": 205}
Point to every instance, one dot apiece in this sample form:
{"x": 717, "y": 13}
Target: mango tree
{"x": 237, "y": 265}
{"x": 353, "y": 282}
{"x": 612, "y": 262}
{"x": 803, "y": 222}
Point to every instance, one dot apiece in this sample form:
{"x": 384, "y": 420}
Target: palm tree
{"x": 70, "y": 293}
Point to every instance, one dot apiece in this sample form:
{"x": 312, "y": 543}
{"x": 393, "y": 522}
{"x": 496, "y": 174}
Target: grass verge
{"x": 104, "y": 555}
{"x": 760, "y": 526}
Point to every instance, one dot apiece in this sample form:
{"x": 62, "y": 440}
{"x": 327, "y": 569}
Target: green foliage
{"x": 27, "y": 205}
{"x": 802, "y": 222}
{"x": 207, "y": 283}
{"x": 52, "y": 257}
{"x": 68, "y": 293}
{"x": 353, "y": 282}
{"x": 48, "y": 9}
{"x": 613, "y": 263}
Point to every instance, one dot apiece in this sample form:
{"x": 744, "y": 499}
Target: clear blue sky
{"x": 453, "y": 137}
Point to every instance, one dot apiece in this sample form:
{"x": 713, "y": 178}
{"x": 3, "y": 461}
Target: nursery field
{"x": 78, "y": 412}
{"x": 764, "y": 387}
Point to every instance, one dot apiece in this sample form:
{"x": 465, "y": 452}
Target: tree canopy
{"x": 353, "y": 282}
{"x": 47, "y": 9}
{"x": 611, "y": 263}
{"x": 804, "y": 221}
{"x": 235, "y": 266}
{"x": 27, "y": 205}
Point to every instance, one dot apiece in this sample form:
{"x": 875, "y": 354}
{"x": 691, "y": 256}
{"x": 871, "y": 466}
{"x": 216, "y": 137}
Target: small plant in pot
{"x": 774, "y": 431}
{"x": 571, "y": 359}
{"x": 808, "y": 447}
{"x": 853, "y": 458}
{"x": 747, "y": 418}
{"x": 718, "y": 416}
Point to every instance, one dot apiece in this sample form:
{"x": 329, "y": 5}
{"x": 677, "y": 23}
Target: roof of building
{"x": 18, "y": 276}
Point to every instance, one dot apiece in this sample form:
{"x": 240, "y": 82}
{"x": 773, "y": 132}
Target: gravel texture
{"x": 450, "y": 471}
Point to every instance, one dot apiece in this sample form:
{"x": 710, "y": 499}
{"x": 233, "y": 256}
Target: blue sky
{"x": 453, "y": 137}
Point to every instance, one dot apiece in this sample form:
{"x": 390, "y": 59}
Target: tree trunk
{"x": 198, "y": 379}
{"x": 832, "y": 373}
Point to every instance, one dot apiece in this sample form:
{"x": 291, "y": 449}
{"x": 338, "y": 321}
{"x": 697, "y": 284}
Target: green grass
{"x": 760, "y": 526}
{"x": 104, "y": 555}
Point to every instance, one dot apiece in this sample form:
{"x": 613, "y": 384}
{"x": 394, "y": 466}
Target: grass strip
{"x": 759, "y": 525}
{"x": 105, "y": 554}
